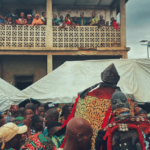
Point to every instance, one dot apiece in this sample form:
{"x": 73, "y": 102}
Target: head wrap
{"x": 81, "y": 13}
{"x": 29, "y": 15}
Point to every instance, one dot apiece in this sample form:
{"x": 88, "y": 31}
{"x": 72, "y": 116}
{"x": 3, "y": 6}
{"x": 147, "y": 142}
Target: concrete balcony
{"x": 22, "y": 37}
{"x": 86, "y": 37}
{"x": 82, "y": 37}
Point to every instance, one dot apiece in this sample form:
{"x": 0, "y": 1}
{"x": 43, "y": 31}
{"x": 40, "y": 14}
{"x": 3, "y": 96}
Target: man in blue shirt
{"x": 82, "y": 21}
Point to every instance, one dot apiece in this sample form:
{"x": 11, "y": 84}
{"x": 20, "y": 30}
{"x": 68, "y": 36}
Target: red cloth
{"x": 115, "y": 25}
{"x": 110, "y": 132}
{"x": 102, "y": 92}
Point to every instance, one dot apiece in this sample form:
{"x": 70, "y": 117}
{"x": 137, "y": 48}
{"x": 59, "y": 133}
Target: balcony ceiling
{"x": 61, "y": 2}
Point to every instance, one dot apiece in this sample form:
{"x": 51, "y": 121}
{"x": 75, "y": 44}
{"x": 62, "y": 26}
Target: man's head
{"x": 55, "y": 16}
{"x": 101, "y": 17}
{"x": 93, "y": 15}
{"x": 37, "y": 123}
{"x": 51, "y": 115}
{"x": 43, "y": 14}
{"x": 30, "y": 106}
{"x": 66, "y": 110}
{"x": 79, "y": 132}
{"x": 119, "y": 101}
{"x": 2, "y": 120}
{"x": 41, "y": 111}
{"x": 11, "y": 135}
{"x": 53, "y": 127}
{"x": 68, "y": 15}
{"x": 82, "y": 14}
{"x": 21, "y": 111}
{"x": 112, "y": 19}
{"x": 66, "y": 19}
{"x": 28, "y": 113}
{"x": 22, "y": 14}
{"x": 107, "y": 23}
{"x": 61, "y": 17}
{"x": 110, "y": 75}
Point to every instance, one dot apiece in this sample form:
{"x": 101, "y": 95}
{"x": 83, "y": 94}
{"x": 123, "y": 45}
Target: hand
{"x": 27, "y": 122}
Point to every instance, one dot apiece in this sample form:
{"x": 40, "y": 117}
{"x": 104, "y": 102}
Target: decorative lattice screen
{"x": 22, "y": 36}
{"x": 86, "y": 36}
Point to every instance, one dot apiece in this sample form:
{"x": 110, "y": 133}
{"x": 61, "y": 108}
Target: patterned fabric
{"x": 38, "y": 142}
{"x": 61, "y": 120}
{"x": 94, "y": 20}
{"x": 93, "y": 110}
{"x": 58, "y": 140}
{"x": 118, "y": 111}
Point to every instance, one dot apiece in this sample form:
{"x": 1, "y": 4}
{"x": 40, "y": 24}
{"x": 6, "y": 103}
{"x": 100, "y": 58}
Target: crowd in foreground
{"x": 12, "y": 19}
{"x": 34, "y": 127}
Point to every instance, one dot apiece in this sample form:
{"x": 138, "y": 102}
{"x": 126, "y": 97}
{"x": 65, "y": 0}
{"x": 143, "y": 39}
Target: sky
{"x": 138, "y": 27}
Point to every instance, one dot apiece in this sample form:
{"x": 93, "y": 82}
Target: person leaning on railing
{"x": 82, "y": 21}
{"x": 94, "y": 20}
{"x": 37, "y": 20}
{"x": 22, "y": 20}
{"x": 29, "y": 20}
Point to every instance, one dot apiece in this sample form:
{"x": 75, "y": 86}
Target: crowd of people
{"x": 11, "y": 19}
{"x": 82, "y": 21}
{"x": 33, "y": 126}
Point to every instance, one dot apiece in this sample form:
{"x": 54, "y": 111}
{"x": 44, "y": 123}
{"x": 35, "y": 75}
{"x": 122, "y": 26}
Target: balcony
{"x": 86, "y": 37}
{"x": 22, "y": 36}
{"x": 34, "y": 37}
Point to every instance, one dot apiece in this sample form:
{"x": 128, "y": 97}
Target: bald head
{"x": 80, "y": 131}
{"x": 51, "y": 115}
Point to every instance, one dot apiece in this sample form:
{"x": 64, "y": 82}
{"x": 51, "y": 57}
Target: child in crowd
{"x": 10, "y": 21}
{"x": 64, "y": 25}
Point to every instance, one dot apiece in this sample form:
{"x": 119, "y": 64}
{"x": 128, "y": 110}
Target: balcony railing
{"x": 22, "y": 36}
{"x": 86, "y": 37}
{"x": 81, "y": 37}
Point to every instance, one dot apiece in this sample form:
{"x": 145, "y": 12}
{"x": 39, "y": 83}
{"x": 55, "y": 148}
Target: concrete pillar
{"x": 123, "y": 23}
{"x": 124, "y": 55}
{"x": 49, "y": 63}
{"x": 49, "y": 29}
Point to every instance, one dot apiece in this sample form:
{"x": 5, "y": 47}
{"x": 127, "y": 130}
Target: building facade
{"x": 27, "y": 53}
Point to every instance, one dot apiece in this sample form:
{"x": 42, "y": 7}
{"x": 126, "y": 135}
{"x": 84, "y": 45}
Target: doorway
{"x": 22, "y": 82}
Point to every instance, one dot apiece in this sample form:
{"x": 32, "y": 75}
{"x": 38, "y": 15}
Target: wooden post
{"x": 123, "y": 23}
{"x": 49, "y": 63}
{"x": 49, "y": 28}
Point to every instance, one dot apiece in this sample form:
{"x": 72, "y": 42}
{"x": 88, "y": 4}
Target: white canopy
{"x": 7, "y": 91}
{"x": 63, "y": 84}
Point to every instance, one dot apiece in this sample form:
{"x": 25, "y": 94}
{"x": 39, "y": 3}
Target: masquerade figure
{"x": 126, "y": 131}
{"x": 94, "y": 103}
